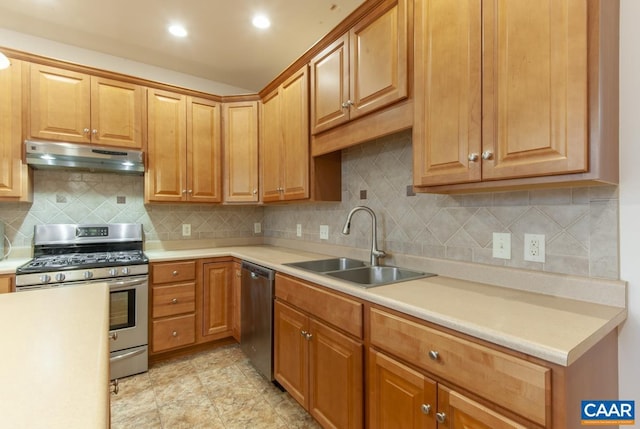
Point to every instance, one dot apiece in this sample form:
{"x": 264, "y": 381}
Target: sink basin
{"x": 377, "y": 276}
{"x": 326, "y": 265}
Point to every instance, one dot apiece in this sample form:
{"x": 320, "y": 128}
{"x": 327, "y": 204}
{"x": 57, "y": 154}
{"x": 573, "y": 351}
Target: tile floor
{"x": 213, "y": 389}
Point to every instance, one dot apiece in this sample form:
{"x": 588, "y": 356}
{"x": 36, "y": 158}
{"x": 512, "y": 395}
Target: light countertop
{"x": 54, "y": 365}
{"x": 556, "y": 329}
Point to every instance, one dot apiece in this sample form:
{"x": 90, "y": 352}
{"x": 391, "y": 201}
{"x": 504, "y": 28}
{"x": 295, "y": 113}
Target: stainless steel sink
{"x": 377, "y": 276}
{"x": 358, "y": 272}
{"x": 326, "y": 265}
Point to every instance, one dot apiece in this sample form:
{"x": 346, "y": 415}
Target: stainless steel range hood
{"x": 44, "y": 154}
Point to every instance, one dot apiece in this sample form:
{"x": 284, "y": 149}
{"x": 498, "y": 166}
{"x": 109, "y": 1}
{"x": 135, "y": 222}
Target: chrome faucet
{"x": 376, "y": 254}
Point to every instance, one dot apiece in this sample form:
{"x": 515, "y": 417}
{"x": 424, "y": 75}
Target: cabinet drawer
{"x": 171, "y": 272}
{"x": 342, "y": 312}
{"x": 173, "y": 299}
{"x": 173, "y": 332}
{"x": 511, "y": 382}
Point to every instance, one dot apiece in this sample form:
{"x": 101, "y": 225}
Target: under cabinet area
{"x": 318, "y": 351}
{"x": 76, "y": 107}
{"x": 497, "y": 108}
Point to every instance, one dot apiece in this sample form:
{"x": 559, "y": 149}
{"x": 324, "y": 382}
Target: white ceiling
{"x": 222, "y": 44}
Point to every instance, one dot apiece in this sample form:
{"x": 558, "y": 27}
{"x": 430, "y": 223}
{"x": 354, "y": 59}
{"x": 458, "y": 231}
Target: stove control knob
{"x": 125, "y": 270}
{"x": 88, "y": 275}
{"x": 60, "y": 277}
{"x": 45, "y": 278}
{"x": 113, "y": 271}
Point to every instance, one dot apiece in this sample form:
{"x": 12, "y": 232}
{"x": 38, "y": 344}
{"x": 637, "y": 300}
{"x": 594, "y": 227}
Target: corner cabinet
{"x": 240, "y": 142}
{"x": 284, "y": 140}
{"x": 76, "y": 107}
{"x": 496, "y": 107}
{"x": 15, "y": 178}
{"x": 318, "y": 351}
{"x": 363, "y": 70}
{"x": 184, "y": 149}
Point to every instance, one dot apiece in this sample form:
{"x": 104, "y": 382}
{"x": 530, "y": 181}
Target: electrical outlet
{"x": 186, "y": 230}
{"x": 534, "y": 248}
{"x": 299, "y": 230}
{"x": 324, "y": 232}
{"x": 502, "y": 245}
{"x": 257, "y": 227}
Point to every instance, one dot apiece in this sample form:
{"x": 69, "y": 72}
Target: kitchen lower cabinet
{"x": 173, "y": 305}
{"x": 318, "y": 364}
{"x": 236, "y": 292}
{"x": 7, "y": 284}
{"x": 216, "y": 300}
{"x": 15, "y": 177}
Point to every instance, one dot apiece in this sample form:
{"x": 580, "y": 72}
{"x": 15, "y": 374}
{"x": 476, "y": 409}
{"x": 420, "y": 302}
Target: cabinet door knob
{"x": 433, "y": 355}
{"x": 174, "y": 333}
{"x": 86, "y": 130}
{"x": 347, "y": 104}
{"x": 473, "y": 157}
{"x": 255, "y": 191}
{"x": 175, "y": 273}
{"x": 94, "y": 131}
{"x": 115, "y": 388}
{"x": 441, "y": 417}
{"x": 174, "y": 301}
{"x": 113, "y": 336}
{"x": 303, "y": 333}
{"x": 425, "y": 408}
{"x": 184, "y": 191}
{"x": 308, "y": 336}
{"x": 487, "y": 155}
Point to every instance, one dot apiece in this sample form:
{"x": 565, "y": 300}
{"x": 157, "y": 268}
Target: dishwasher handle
{"x": 257, "y": 271}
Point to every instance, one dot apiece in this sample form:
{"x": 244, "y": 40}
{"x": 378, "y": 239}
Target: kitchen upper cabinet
{"x": 501, "y": 94}
{"x": 184, "y": 149}
{"x": 217, "y": 300}
{"x": 284, "y": 138}
{"x": 15, "y": 178}
{"x": 240, "y": 142}
{"x": 363, "y": 70}
{"x": 79, "y": 108}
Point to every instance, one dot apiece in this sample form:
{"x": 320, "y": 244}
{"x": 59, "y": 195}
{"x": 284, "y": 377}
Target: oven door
{"x": 128, "y": 333}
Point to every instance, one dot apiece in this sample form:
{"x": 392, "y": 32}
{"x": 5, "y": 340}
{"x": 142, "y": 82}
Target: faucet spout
{"x": 376, "y": 253}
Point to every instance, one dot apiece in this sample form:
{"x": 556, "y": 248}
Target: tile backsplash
{"x": 580, "y": 224}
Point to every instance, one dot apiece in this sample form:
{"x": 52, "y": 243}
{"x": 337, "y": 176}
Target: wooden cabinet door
{"x": 461, "y": 412}
{"x": 60, "y": 105}
{"x": 216, "y": 299}
{"x": 330, "y": 86}
{"x": 166, "y": 175}
{"x": 399, "y": 397}
{"x": 236, "y": 285}
{"x": 13, "y": 174}
{"x": 291, "y": 352}
{"x": 271, "y": 147}
{"x": 116, "y": 113}
{"x": 204, "y": 147}
{"x": 336, "y": 397}
{"x": 295, "y": 136}
{"x": 6, "y": 282}
{"x": 378, "y": 58}
{"x": 534, "y": 88}
{"x": 240, "y": 137}
{"x": 448, "y": 82}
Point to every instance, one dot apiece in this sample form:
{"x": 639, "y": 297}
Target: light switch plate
{"x": 257, "y": 227}
{"x": 502, "y": 245}
{"x": 299, "y": 230}
{"x": 324, "y": 232}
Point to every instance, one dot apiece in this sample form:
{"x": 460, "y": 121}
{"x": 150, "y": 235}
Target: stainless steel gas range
{"x": 69, "y": 255}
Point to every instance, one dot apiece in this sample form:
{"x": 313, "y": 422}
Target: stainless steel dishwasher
{"x": 257, "y": 317}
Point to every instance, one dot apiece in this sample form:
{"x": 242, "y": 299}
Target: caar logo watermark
{"x": 608, "y": 412}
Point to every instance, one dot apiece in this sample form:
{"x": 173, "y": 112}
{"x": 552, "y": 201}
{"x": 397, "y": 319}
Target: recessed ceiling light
{"x": 261, "y": 21}
{"x": 178, "y": 30}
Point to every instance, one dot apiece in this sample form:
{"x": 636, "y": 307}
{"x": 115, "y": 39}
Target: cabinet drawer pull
{"x": 426, "y": 408}
{"x": 174, "y": 301}
{"x": 434, "y": 355}
{"x": 174, "y": 333}
{"x": 441, "y": 417}
{"x": 175, "y": 273}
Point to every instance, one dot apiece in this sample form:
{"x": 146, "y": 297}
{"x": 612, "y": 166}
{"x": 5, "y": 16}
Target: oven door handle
{"x": 126, "y": 355}
{"x": 127, "y": 283}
